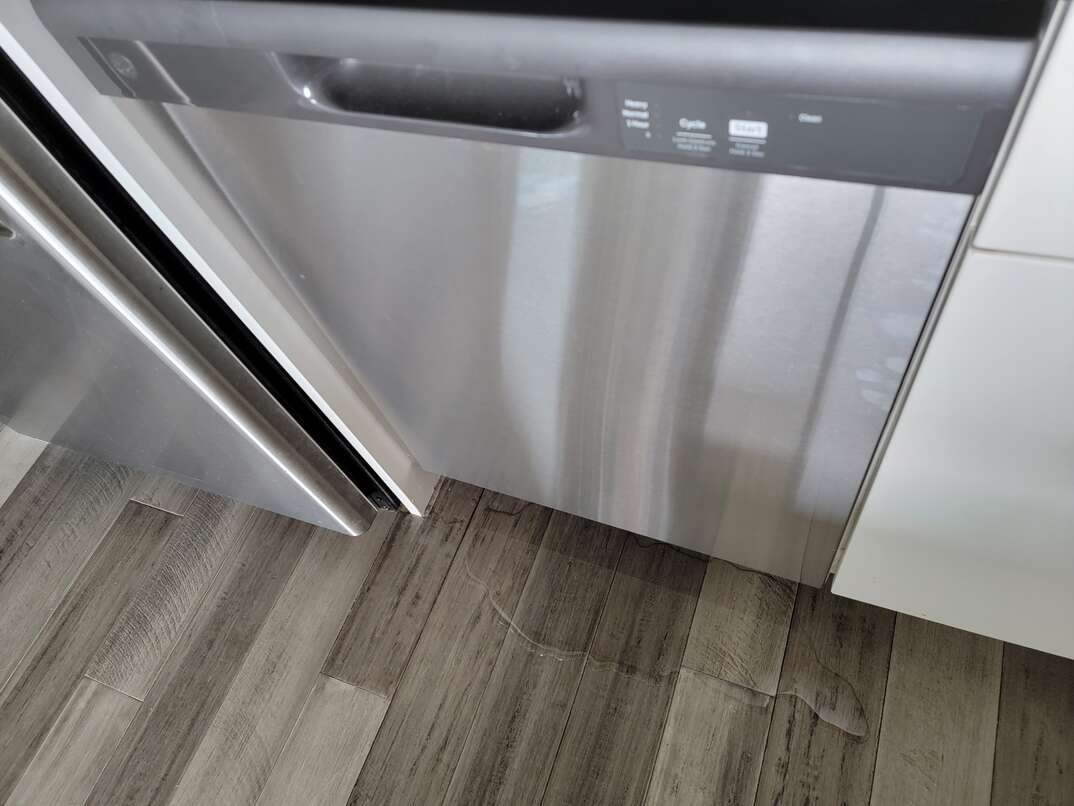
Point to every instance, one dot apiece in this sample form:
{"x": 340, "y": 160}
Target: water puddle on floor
{"x": 542, "y": 650}
{"x": 828, "y": 694}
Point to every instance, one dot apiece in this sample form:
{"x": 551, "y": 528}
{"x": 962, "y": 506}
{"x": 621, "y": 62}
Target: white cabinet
{"x": 970, "y": 519}
{"x": 1032, "y": 209}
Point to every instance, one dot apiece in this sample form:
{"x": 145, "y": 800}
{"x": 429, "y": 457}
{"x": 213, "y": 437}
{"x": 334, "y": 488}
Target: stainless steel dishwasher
{"x": 667, "y": 276}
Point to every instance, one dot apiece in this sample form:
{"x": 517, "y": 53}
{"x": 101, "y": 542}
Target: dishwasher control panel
{"x": 886, "y": 107}
{"x": 866, "y": 139}
{"x": 940, "y": 137}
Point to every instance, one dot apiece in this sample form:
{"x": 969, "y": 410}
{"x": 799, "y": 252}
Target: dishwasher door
{"x": 663, "y": 276}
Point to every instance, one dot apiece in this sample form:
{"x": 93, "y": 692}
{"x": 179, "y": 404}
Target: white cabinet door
{"x": 1032, "y": 210}
{"x": 970, "y": 520}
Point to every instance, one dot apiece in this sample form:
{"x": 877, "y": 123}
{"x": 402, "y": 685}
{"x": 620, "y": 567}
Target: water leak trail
{"x": 832, "y": 699}
{"x": 830, "y": 696}
{"x": 824, "y": 691}
{"x": 542, "y": 650}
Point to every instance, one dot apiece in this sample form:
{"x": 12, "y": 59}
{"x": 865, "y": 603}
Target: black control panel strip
{"x": 68, "y": 149}
{"x": 921, "y": 143}
{"x": 911, "y": 110}
{"x": 909, "y": 142}
{"x": 972, "y": 17}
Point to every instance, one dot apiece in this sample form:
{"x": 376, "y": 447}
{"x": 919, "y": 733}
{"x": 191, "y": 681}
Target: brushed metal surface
{"x": 702, "y": 356}
{"x": 89, "y": 361}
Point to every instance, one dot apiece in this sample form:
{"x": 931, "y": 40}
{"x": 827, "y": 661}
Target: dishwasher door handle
{"x": 346, "y": 86}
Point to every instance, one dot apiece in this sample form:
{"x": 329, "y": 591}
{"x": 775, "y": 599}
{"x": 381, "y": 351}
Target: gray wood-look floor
{"x": 160, "y": 645}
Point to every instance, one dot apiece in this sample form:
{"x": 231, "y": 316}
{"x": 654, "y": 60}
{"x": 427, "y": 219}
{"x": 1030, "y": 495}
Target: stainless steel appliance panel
{"x": 702, "y": 356}
{"x": 91, "y": 361}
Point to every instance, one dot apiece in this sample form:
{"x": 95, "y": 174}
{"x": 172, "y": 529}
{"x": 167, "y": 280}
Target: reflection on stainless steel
{"x": 86, "y": 361}
{"x": 702, "y": 356}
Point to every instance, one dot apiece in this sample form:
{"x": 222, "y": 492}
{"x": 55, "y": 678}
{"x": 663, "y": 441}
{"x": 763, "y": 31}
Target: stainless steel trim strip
{"x": 964, "y": 243}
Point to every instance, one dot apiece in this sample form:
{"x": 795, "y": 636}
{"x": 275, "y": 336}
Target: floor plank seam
{"x": 247, "y": 532}
{"x": 775, "y": 697}
{"x": 103, "y": 768}
{"x": 674, "y": 686}
{"x": 496, "y": 661}
{"x": 268, "y": 610}
{"x": 40, "y": 747}
{"x": 136, "y": 500}
{"x": 398, "y": 525}
{"x": 664, "y": 726}
{"x": 56, "y": 724}
{"x": 883, "y": 702}
{"x": 130, "y": 697}
{"x": 10, "y": 679}
{"x": 287, "y": 741}
{"x": 196, "y": 608}
{"x": 585, "y": 665}
{"x": 454, "y": 558}
{"x": 999, "y": 711}
{"x": 376, "y": 694}
{"x": 995, "y": 737}
{"x": 320, "y": 673}
{"x": 384, "y": 544}
{"x": 436, "y": 598}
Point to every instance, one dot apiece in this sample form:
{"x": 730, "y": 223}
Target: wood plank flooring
{"x": 50, "y": 524}
{"x": 389, "y": 614}
{"x": 161, "y": 645}
{"x": 823, "y": 737}
{"x": 1034, "y": 760}
{"x": 513, "y": 741}
{"x": 938, "y": 734}
{"x": 38, "y": 688}
{"x": 613, "y": 734}
{"x": 714, "y": 741}
{"x": 423, "y": 734}
{"x": 78, "y": 746}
